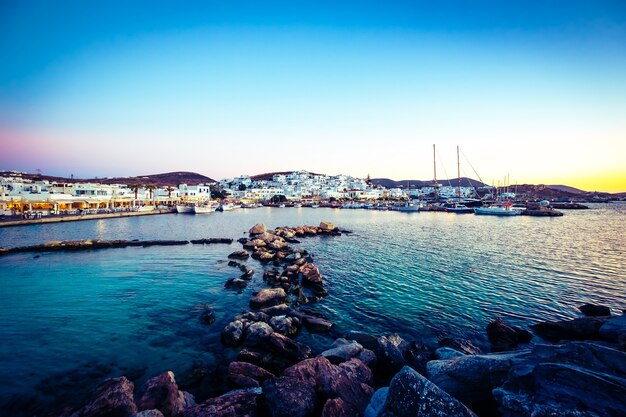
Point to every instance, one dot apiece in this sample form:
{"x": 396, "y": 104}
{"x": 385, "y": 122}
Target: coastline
{"x": 74, "y": 218}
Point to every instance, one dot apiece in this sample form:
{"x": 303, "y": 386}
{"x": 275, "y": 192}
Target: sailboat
{"x": 433, "y": 206}
{"x": 457, "y": 207}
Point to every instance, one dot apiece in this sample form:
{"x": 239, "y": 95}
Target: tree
{"x": 242, "y": 187}
{"x": 278, "y": 198}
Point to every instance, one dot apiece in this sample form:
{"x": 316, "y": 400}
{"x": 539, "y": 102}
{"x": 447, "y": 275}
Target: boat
{"x": 204, "y": 209}
{"x": 409, "y": 208}
{"x": 281, "y": 205}
{"x": 144, "y": 209}
{"x": 227, "y": 207}
{"x": 297, "y": 205}
{"x": 315, "y": 205}
{"x": 499, "y": 210}
{"x": 184, "y": 208}
{"x": 459, "y": 208}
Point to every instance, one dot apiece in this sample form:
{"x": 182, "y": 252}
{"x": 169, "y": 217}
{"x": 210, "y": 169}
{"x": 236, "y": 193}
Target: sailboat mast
{"x": 435, "y": 169}
{"x": 458, "y": 164}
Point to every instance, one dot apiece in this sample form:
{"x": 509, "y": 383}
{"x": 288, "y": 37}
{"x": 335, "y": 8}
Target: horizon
{"x": 535, "y": 92}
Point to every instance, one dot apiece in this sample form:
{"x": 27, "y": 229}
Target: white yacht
{"x": 204, "y": 209}
{"x": 500, "y": 210}
{"x": 184, "y": 208}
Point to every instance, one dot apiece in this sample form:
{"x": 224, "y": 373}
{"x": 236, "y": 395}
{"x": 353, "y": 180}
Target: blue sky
{"x": 534, "y": 90}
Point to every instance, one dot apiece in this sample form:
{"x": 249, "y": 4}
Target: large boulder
{"x": 312, "y": 278}
{"x": 316, "y": 324}
{"x": 257, "y": 332}
{"x": 288, "y": 326}
{"x": 236, "y": 404}
{"x": 240, "y": 254}
{"x": 285, "y": 347}
{"x": 377, "y": 401}
{"x": 234, "y": 333}
{"x": 584, "y": 328}
{"x": 268, "y": 297}
{"x": 389, "y": 351}
{"x": 614, "y": 328}
{"x": 327, "y": 226}
{"x": 247, "y": 375}
{"x": 595, "y": 310}
{"x": 257, "y": 229}
{"x": 471, "y": 378}
{"x": 412, "y": 395}
{"x": 113, "y": 398}
{"x": 162, "y": 393}
{"x": 289, "y": 397}
{"x": 504, "y": 337}
{"x": 342, "y": 350}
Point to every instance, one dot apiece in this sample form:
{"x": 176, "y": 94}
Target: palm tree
{"x": 150, "y": 188}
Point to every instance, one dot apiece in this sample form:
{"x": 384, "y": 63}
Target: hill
{"x": 567, "y": 189}
{"x": 389, "y": 183}
{"x": 165, "y": 179}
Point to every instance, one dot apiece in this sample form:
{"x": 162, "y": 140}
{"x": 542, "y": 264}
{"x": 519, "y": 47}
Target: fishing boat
{"x": 204, "y": 208}
{"x": 458, "y": 208}
{"x": 184, "y": 208}
{"x": 409, "y": 207}
{"x": 498, "y": 210}
{"x": 297, "y": 205}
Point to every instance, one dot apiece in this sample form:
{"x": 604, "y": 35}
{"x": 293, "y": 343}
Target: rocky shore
{"x": 565, "y": 368}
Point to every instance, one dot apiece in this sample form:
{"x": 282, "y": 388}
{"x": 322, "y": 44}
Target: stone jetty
{"x": 564, "y": 368}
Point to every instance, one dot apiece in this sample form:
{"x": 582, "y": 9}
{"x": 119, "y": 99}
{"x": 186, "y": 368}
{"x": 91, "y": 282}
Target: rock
{"x": 316, "y": 324}
{"x": 446, "y": 353}
{"x": 504, "y": 337}
{"x": 236, "y": 283}
{"x": 208, "y": 316}
{"x": 614, "y": 328}
{"x": 289, "y": 397}
{"x": 114, "y": 398}
{"x": 375, "y": 407}
{"x": 257, "y": 332}
{"x": 471, "y": 378}
{"x": 237, "y": 404}
{"x": 247, "y": 375}
{"x": 327, "y": 226}
{"x": 287, "y": 326}
{"x": 149, "y": 413}
{"x": 265, "y": 256}
{"x": 368, "y": 358}
{"x": 234, "y": 333}
{"x": 257, "y": 229}
{"x": 280, "y": 310}
{"x": 247, "y": 274}
{"x": 343, "y": 352}
{"x": 417, "y": 355}
{"x": 253, "y": 316}
{"x": 462, "y": 345}
{"x": 390, "y": 356}
{"x": 162, "y": 393}
{"x": 585, "y": 328}
{"x": 336, "y": 407}
{"x": 312, "y": 278}
{"x": 282, "y": 345}
{"x": 254, "y": 243}
{"x": 367, "y": 341}
{"x": 277, "y": 245}
{"x": 552, "y": 389}
{"x": 240, "y": 254}
{"x": 593, "y": 310}
{"x": 587, "y": 355}
{"x": 412, "y": 395}
{"x": 268, "y": 297}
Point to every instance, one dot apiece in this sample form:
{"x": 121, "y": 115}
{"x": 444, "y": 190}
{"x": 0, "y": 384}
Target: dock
{"x": 78, "y": 217}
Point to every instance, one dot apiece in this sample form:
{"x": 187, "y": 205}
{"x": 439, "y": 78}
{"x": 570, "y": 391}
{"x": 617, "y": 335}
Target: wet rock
{"x": 585, "y": 328}
{"x": 277, "y": 245}
{"x": 235, "y": 263}
{"x": 257, "y": 332}
{"x": 208, "y": 315}
{"x": 471, "y": 378}
{"x": 390, "y": 355}
{"x": 504, "y": 337}
{"x": 552, "y": 389}
{"x": 336, "y": 407}
{"x": 327, "y": 226}
{"x": 366, "y": 340}
{"x": 368, "y": 357}
{"x": 316, "y": 324}
{"x": 162, "y": 393}
{"x": 312, "y": 279}
{"x": 446, "y": 353}
{"x": 614, "y": 329}
{"x": 240, "y": 254}
{"x": 253, "y": 316}
{"x": 265, "y": 256}
{"x": 342, "y": 351}
{"x": 237, "y": 404}
{"x": 375, "y": 406}
{"x": 254, "y": 243}
{"x": 247, "y": 375}
{"x": 257, "y": 229}
{"x": 234, "y": 333}
{"x": 289, "y": 397}
{"x": 593, "y": 310}
{"x": 282, "y": 345}
{"x": 236, "y": 283}
{"x": 412, "y": 395}
{"x": 462, "y": 345}
{"x": 268, "y": 297}
{"x": 113, "y": 398}
{"x": 280, "y": 310}
{"x": 287, "y": 326}
{"x": 588, "y": 355}
{"x": 247, "y": 274}
{"x": 149, "y": 413}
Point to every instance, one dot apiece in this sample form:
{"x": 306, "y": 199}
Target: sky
{"x": 532, "y": 91}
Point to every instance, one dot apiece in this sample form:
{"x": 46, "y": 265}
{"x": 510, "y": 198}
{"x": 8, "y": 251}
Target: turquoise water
{"x": 69, "y": 320}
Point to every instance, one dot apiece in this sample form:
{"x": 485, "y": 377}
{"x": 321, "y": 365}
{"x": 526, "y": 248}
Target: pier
{"x": 13, "y": 221}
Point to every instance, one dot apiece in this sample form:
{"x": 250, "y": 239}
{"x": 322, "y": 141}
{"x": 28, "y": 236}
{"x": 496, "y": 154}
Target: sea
{"x": 69, "y": 320}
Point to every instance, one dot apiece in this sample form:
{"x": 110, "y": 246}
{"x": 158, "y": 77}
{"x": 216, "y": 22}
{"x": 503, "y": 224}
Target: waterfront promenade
{"x": 17, "y": 221}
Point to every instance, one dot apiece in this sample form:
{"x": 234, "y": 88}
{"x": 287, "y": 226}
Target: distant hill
{"x": 389, "y": 183}
{"x": 567, "y": 189}
{"x": 269, "y": 175}
{"x": 166, "y": 179}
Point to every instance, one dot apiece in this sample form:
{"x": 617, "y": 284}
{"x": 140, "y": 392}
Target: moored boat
{"x": 459, "y": 208}
{"x": 204, "y": 209}
{"x": 184, "y": 208}
{"x": 498, "y": 210}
